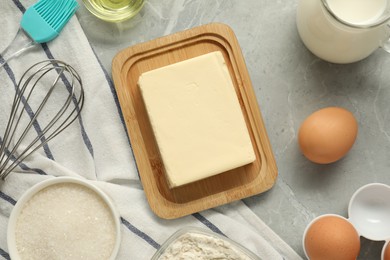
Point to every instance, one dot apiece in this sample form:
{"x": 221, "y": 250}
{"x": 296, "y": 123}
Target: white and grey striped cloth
{"x": 96, "y": 148}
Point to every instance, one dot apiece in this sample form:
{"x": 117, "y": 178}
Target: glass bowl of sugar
{"x": 64, "y": 218}
{"x": 199, "y": 243}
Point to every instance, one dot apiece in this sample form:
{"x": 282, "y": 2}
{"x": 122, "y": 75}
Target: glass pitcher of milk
{"x": 344, "y": 31}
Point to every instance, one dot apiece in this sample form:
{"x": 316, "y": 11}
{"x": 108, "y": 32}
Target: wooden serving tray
{"x": 235, "y": 184}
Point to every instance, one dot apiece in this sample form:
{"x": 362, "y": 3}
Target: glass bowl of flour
{"x": 64, "y": 218}
{"x": 201, "y": 244}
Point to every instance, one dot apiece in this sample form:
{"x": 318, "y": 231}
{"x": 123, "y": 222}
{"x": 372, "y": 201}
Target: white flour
{"x": 202, "y": 247}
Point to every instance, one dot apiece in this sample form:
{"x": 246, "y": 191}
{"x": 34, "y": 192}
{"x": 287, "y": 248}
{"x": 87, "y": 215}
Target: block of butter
{"x": 196, "y": 118}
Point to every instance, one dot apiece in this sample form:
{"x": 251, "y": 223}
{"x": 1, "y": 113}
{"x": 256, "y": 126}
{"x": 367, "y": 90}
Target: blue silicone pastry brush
{"x": 42, "y": 22}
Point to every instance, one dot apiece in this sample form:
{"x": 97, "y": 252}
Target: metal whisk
{"x": 49, "y": 97}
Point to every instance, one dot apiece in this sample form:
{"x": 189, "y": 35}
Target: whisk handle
{"x": 19, "y": 44}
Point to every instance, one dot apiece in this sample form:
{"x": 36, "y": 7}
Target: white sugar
{"x": 65, "y": 221}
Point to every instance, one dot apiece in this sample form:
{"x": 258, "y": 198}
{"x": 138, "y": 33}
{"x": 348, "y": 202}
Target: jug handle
{"x": 386, "y": 43}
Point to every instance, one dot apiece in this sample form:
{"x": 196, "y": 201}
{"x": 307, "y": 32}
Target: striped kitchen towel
{"x": 96, "y": 148}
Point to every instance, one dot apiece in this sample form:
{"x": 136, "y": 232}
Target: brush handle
{"x": 19, "y": 44}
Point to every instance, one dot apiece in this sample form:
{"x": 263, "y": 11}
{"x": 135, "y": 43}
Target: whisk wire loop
{"x": 17, "y": 147}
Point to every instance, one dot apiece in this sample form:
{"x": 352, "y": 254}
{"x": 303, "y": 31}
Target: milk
{"x": 358, "y": 11}
{"x": 334, "y": 41}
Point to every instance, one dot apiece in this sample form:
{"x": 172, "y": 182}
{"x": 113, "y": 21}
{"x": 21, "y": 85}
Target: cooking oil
{"x": 114, "y": 10}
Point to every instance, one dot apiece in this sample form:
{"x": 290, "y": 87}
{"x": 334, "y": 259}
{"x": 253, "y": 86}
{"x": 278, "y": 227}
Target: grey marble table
{"x": 290, "y": 83}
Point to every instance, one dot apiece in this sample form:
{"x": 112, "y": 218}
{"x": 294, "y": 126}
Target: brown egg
{"x": 327, "y": 134}
{"x": 386, "y": 253}
{"x": 332, "y": 237}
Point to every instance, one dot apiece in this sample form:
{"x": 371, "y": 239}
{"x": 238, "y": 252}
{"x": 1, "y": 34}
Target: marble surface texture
{"x": 290, "y": 84}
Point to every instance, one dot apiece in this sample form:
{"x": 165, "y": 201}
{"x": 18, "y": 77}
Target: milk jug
{"x": 344, "y": 31}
